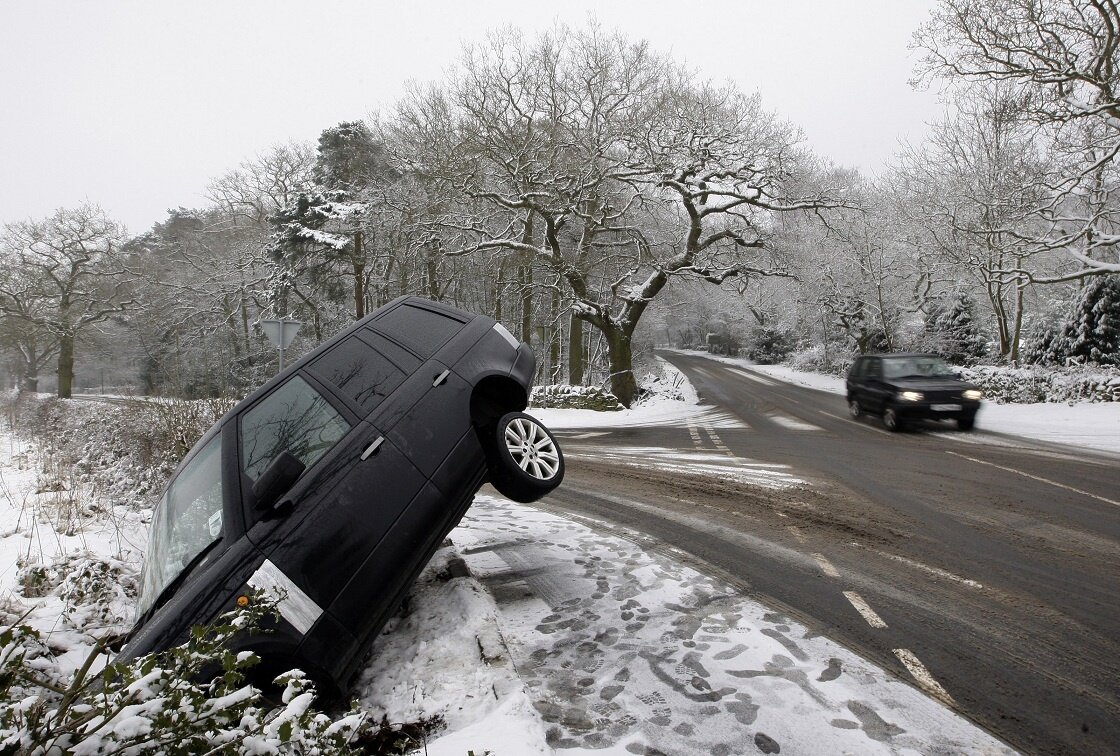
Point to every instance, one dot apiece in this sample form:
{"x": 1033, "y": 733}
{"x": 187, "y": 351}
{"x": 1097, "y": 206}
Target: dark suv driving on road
{"x": 331, "y": 486}
{"x": 905, "y": 387}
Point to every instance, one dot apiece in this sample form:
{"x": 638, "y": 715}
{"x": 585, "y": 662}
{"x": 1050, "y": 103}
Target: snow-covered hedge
{"x": 564, "y": 396}
{"x": 125, "y": 449}
{"x": 1041, "y": 384}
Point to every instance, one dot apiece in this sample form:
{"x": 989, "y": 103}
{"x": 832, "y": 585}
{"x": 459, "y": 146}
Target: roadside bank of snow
{"x": 1095, "y": 425}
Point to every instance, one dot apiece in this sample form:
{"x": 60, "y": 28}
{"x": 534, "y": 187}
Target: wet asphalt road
{"x": 983, "y": 568}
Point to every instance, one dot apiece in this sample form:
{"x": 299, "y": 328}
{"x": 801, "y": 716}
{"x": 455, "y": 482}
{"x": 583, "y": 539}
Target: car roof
{"x": 903, "y": 354}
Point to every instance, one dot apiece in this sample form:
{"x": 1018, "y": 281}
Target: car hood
{"x": 930, "y": 384}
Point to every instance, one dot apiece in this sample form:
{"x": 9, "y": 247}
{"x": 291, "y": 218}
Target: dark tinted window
{"x": 294, "y": 418}
{"x": 397, "y": 354}
{"x": 359, "y": 371}
{"x": 873, "y": 369}
{"x": 422, "y": 331}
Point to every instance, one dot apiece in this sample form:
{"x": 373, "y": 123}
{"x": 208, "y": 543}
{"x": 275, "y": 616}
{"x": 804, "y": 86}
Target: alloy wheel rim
{"x": 532, "y": 449}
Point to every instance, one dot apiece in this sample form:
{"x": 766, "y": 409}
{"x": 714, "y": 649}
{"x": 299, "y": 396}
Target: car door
{"x": 875, "y": 390}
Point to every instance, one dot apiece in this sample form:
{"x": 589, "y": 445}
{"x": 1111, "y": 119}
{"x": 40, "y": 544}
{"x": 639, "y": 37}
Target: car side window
{"x": 293, "y": 418}
{"x": 359, "y": 371}
{"x": 423, "y": 331}
{"x": 873, "y": 369}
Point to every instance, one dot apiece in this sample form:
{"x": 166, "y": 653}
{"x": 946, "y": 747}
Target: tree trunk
{"x": 359, "y": 278}
{"x": 525, "y": 281}
{"x": 620, "y": 358}
{"x": 575, "y": 351}
{"x": 65, "y": 365}
{"x": 1018, "y": 328}
{"x": 555, "y": 336}
{"x": 499, "y": 287}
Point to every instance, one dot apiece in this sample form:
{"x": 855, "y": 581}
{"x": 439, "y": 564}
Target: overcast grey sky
{"x": 137, "y": 105}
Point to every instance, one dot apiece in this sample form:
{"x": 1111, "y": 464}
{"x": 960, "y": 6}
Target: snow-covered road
{"x": 631, "y": 649}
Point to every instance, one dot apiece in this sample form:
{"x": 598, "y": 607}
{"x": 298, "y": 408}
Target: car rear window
{"x": 294, "y": 418}
{"x": 359, "y": 371}
{"x": 423, "y": 331}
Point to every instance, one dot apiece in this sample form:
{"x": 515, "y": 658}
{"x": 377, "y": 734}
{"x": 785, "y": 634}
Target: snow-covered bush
{"x": 95, "y": 591}
{"x": 768, "y": 346}
{"x": 158, "y": 704}
{"x": 564, "y": 396}
{"x": 124, "y": 450}
{"x": 1038, "y": 384}
{"x": 817, "y": 359}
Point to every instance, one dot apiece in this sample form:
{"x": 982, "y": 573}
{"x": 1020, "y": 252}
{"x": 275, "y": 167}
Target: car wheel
{"x": 965, "y": 422}
{"x": 891, "y": 420}
{"x": 525, "y": 461}
{"x": 854, "y": 409}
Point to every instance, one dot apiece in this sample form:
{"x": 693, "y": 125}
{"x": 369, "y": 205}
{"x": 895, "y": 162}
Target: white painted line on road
{"x": 826, "y": 566}
{"x": 922, "y": 675}
{"x": 1038, "y": 478}
{"x": 753, "y": 377}
{"x": 924, "y": 567}
{"x": 792, "y": 422}
{"x": 865, "y": 611}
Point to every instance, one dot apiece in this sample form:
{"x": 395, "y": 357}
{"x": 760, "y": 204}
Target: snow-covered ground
{"x": 566, "y": 636}
{"x": 1095, "y": 425}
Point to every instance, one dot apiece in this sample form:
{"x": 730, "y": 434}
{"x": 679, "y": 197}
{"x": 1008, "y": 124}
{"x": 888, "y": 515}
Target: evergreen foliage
{"x": 953, "y": 332}
{"x": 1091, "y": 334}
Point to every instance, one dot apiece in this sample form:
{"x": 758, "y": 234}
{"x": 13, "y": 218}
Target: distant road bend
{"x": 984, "y": 569}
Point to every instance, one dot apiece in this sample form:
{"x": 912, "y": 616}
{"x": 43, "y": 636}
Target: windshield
{"x": 187, "y": 520}
{"x": 916, "y": 367}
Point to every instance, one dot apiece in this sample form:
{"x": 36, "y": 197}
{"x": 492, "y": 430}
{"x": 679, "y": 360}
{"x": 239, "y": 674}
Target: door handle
{"x": 373, "y": 447}
{"x": 441, "y": 378}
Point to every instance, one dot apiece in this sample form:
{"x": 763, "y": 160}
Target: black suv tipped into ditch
{"x": 332, "y": 485}
{"x": 906, "y": 387}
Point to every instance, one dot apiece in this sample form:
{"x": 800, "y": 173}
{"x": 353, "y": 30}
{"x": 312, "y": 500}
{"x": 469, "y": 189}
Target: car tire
{"x": 854, "y": 409}
{"x": 965, "y": 422}
{"x": 525, "y": 461}
{"x": 891, "y": 420}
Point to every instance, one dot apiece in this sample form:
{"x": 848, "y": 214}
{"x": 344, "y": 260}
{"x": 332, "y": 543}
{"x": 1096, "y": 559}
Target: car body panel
{"x": 386, "y": 419}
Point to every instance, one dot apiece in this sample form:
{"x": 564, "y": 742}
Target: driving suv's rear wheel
{"x": 854, "y": 409}
{"x": 525, "y": 460}
{"x": 892, "y": 420}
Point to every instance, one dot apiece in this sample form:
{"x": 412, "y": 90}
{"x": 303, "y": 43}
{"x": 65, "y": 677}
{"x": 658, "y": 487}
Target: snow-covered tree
{"x": 1061, "y": 60}
{"x": 607, "y": 167}
{"x": 65, "y": 275}
{"x": 1092, "y": 332}
{"x": 952, "y": 329}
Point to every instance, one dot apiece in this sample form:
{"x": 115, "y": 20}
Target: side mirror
{"x": 282, "y": 472}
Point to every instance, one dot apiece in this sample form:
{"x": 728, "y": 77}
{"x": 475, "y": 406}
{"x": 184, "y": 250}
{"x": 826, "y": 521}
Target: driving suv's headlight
{"x": 973, "y": 394}
{"x": 911, "y": 396}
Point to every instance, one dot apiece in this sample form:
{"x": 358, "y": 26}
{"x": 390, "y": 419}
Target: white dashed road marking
{"x": 826, "y": 566}
{"x": 1039, "y": 479}
{"x": 865, "y": 611}
{"x": 753, "y": 377}
{"x": 792, "y": 422}
{"x": 922, "y": 675}
{"x": 924, "y": 567}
